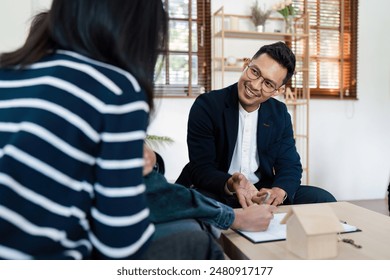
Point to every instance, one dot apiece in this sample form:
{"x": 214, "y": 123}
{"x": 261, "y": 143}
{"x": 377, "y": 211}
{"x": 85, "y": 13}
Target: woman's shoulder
{"x": 105, "y": 69}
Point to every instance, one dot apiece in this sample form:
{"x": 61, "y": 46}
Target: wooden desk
{"x": 374, "y": 237}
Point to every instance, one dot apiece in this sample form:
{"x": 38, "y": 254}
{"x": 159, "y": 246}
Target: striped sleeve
{"x": 120, "y": 219}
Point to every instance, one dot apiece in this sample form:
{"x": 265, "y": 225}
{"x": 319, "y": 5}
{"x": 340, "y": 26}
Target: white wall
{"x": 170, "y": 119}
{"x": 15, "y": 18}
{"x": 349, "y": 140}
{"x": 13, "y": 28}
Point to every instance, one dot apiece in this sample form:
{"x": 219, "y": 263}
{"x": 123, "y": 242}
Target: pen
{"x": 267, "y": 197}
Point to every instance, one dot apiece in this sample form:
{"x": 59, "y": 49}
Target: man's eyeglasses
{"x": 254, "y": 74}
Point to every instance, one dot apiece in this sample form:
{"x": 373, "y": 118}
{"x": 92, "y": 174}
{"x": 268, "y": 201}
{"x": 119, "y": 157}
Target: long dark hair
{"x": 128, "y": 34}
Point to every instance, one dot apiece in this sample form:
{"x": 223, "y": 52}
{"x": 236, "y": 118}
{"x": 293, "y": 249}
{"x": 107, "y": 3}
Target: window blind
{"x": 333, "y": 47}
{"x": 186, "y": 70}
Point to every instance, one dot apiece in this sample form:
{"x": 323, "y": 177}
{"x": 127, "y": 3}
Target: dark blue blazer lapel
{"x": 264, "y": 129}
{"x": 231, "y": 120}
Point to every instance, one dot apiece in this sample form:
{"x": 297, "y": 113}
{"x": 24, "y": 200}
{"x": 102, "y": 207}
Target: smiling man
{"x": 240, "y": 140}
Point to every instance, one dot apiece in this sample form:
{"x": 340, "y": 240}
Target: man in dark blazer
{"x": 240, "y": 140}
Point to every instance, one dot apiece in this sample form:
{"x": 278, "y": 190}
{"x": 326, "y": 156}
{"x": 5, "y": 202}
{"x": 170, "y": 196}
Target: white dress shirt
{"x": 245, "y": 158}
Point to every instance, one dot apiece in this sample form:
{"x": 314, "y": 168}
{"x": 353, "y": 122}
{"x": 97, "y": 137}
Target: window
{"x": 186, "y": 70}
{"x": 333, "y": 47}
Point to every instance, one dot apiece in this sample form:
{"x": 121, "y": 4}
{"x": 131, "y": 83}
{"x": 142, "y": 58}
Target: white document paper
{"x": 277, "y": 231}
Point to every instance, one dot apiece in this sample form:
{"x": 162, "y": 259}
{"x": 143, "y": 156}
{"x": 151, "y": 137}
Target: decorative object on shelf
{"x": 289, "y": 24}
{"x": 259, "y": 16}
{"x": 286, "y": 9}
{"x": 231, "y": 61}
{"x": 289, "y": 95}
{"x": 260, "y": 28}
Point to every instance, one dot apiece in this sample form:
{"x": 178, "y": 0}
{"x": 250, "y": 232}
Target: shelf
{"x": 259, "y": 35}
{"x": 295, "y": 103}
{"x": 235, "y": 68}
{"x": 300, "y": 136}
{"x": 229, "y": 68}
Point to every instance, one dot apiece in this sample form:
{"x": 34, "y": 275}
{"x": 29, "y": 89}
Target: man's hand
{"x": 149, "y": 160}
{"x": 276, "y": 196}
{"x": 253, "y": 218}
{"x": 244, "y": 189}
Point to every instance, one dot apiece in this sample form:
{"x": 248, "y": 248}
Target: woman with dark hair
{"x": 74, "y": 106}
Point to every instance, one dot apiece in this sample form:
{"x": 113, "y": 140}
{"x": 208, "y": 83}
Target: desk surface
{"x": 374, "y": 238}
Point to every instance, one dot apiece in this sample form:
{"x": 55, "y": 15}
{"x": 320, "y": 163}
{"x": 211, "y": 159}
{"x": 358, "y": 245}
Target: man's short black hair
{"x": 282, "y": 54}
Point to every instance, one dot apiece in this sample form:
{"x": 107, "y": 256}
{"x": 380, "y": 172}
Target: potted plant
{"x": 259, "y": 16}
{"x": 155, "y": 141}
{"x": 286, "y": 9}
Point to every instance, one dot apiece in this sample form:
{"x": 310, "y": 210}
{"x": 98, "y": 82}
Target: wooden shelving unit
{"x": 298, "y": 100}
{"x": 258, "y": 35}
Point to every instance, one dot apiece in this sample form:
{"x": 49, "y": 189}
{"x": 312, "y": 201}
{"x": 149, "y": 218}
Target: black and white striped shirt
{"x": 71, "y": 160}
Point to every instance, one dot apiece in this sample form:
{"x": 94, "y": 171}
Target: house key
{"x": 352, "y": 242}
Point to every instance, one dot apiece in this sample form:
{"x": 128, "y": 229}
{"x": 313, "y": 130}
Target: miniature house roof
{"x": 315, "y": 219}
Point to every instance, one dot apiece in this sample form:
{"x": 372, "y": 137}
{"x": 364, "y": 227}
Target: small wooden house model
{"x": 312, "y": 231}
